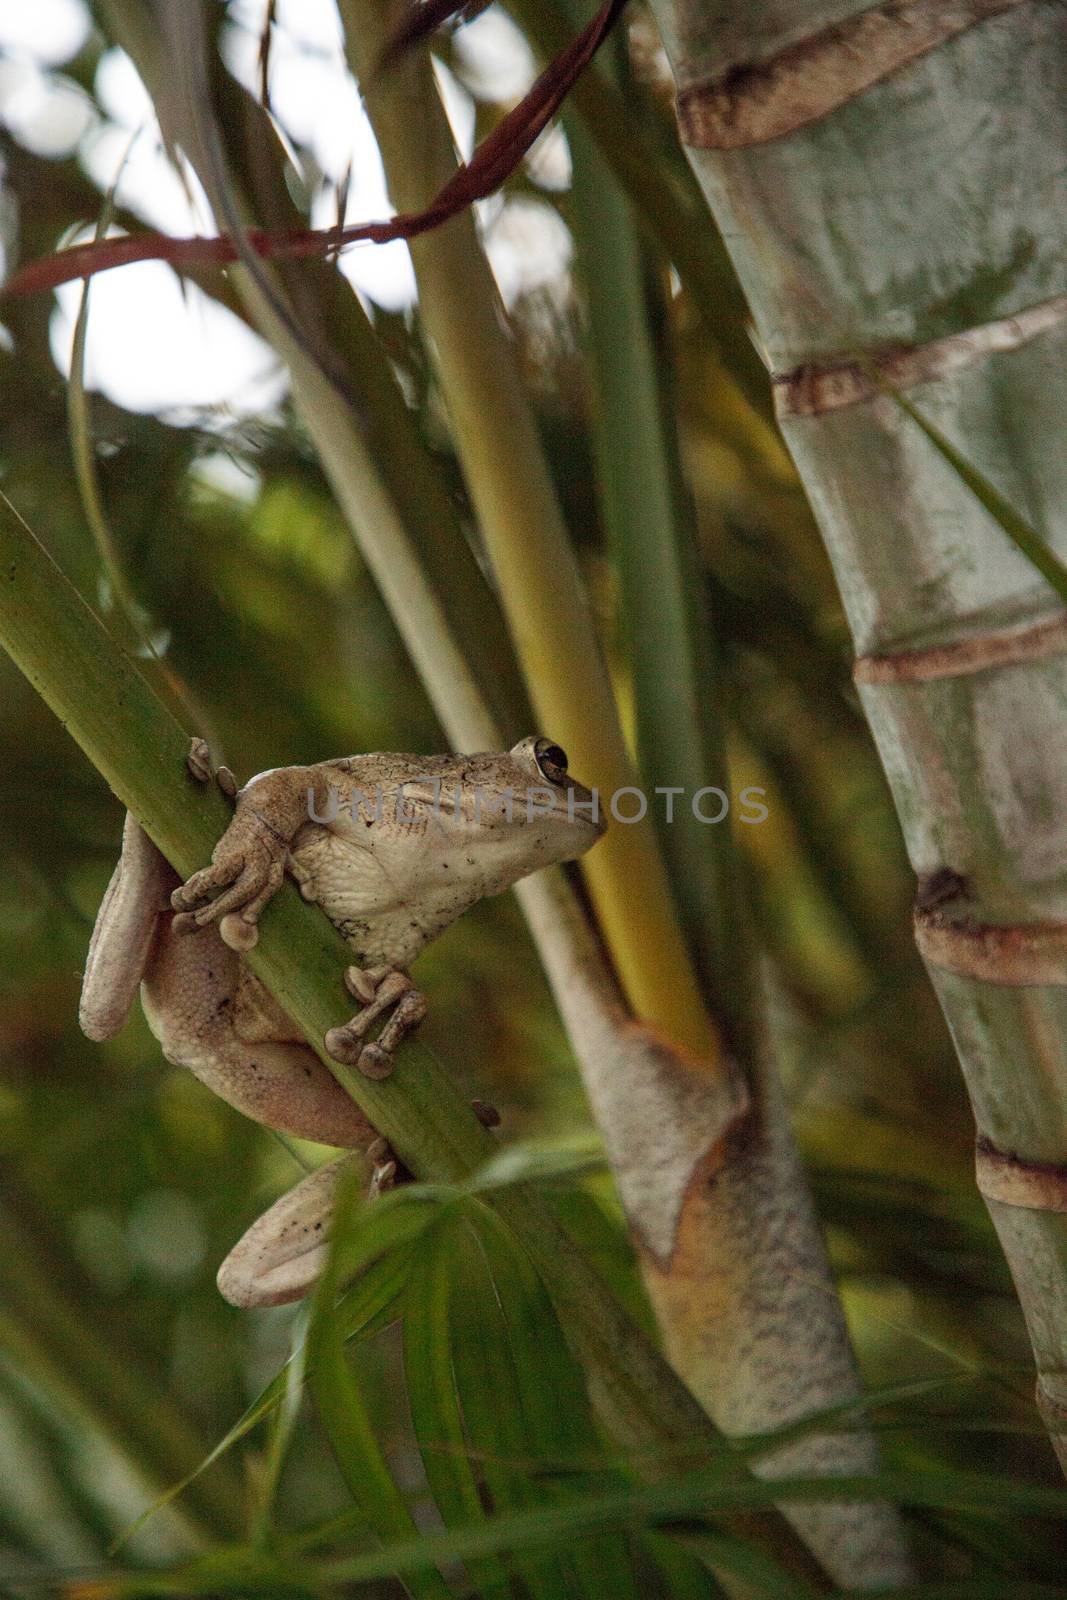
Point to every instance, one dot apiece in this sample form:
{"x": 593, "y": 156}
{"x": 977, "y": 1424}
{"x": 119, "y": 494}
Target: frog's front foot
{"x": 246, "y": 870}
{"x": 379, "y": 988}
{"x": 199, "y": 763}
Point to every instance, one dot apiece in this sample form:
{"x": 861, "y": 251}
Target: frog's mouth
{"x": 584, "y": 806}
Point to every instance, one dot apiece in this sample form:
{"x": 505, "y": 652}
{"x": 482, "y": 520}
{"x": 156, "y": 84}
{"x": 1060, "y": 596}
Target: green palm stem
{"x": 636, "y": 147}
{"x": 649, "y": 521}
{"x": 874, "y": 206}
{"x": 520, "y": 520}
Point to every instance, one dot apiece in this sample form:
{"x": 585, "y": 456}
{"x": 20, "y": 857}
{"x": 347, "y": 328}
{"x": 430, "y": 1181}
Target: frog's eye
{"x": 551, "y": 761}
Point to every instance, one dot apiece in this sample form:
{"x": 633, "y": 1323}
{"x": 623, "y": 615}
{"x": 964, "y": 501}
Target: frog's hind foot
{"x": 385, "y": 1170}
{"x": 380, "y": 988}
{"x": 282, "y": 1254}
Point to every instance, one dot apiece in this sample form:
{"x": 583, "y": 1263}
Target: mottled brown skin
{"x": 390, "y": 878}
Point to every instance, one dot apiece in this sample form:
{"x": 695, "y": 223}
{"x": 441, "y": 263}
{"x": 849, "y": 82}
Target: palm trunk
{"x": 893, "y": 224}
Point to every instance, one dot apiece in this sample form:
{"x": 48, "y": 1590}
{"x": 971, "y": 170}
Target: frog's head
{"x": 525, "y": 811}
{"x": 488, "y": 820}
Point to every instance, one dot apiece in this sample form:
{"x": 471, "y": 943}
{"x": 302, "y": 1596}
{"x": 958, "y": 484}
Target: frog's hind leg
{"x": 136, "y": 897}
{"x": 283, "y": 1252}
{"x": 211, "y": 1015}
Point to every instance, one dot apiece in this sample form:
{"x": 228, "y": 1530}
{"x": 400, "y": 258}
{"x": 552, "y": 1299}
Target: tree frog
{"x": 393, "y": 848}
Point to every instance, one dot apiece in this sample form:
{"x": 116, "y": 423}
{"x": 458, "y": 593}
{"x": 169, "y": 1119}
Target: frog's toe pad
{"x": 247, "y": 867}
{"x": 343, "y": 1045}
{"x": 346, "y": 1045}
{"x": 237, "y": 932}
{"x": 199, "y": 760}
{"x": 374, "y": 1061}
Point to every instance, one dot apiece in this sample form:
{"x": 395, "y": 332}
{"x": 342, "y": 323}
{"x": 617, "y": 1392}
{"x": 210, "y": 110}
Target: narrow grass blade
{"x": 344, "y": 1416}
{"x": 679, "y": 1505}
{"x": 378, "y": 1229}
{"x": 58, "y": 1327}
{"x": 735, "y": 1559}
{"x": 553, "y": 1404}
{"x": 649, "y": 519}
{"x": 542, "y": 1161}
{"x": 1021, "y": 533}
{"x": 435, "y": 1411}
{"x": 282, "y": 1426}
{"x": 368, "y": 1305}
{"x": 487, "y": 1386}
{"x": 288, "y": 1581}
{"x": 684, "y": 1575}
{"x": 558, "y": 1526}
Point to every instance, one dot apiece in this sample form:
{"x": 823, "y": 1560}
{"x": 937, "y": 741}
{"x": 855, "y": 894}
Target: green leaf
{"x": 341, "y": 1407}
{"x": 377, "y": 1228}
{"x": 684, "y": 1575}
{"x": 1021, "y": 533}
{"x": 282, "y": 1426}
{"x": 561, "y": 1440}
{"x": 757, "y": 1573}
{"x": 489, "y": 1393}
{"x": 542, "y": 1161}
{"x": 434, "y": 1403}
{"x": 367, "y": 1306}
{"x": 680, "y": 1507}
{"x": 561, "y": 1524}
{"x": 699, "y": 1495}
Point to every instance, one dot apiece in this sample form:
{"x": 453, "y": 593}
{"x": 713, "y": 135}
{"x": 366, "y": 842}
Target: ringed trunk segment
{"x": 894, "y": 214}
{"x": 967, "y": 731}
{"x": 960, "y": 262}
{"x": 758, "y": 101}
